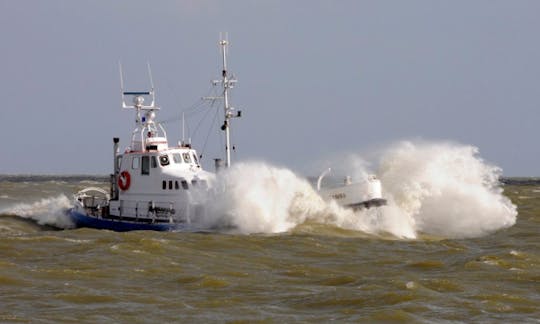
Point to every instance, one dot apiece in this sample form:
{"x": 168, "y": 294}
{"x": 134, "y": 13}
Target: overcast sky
{"x": 315, "y": 77}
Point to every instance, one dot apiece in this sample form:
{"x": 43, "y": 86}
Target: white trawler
{"x": 154, "y": 186}
{"x": 160, "y": 187}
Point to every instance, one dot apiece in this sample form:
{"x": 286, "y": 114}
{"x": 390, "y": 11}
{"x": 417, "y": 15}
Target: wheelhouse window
{"x": 169, "y": 184}
{"x": 145, "y": 165}
{"x": 164, "y": 160}
{"x": 195, "y": 159}
{"x": 186, "y": 157}
{"x": 177, "y": 158}
{"x": 135, "y": 162}
{"x": 185, "y": 185}
{"x": 154, "y": 161}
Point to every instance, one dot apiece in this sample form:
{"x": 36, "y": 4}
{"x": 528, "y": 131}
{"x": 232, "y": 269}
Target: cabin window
{"x": 185, "y": 185}
{"x": 164, "y": 185}
{"x": 177, "y": 158}
{"x": 164, "y": 160}
{"x": 186, "y": 157}
{"x": 145, "y": 165}
{"x": 170, "y": 184}
{"x": 135, "y": 163}
{"x": 154, "y": 161}
{"x": 176, "y": 186}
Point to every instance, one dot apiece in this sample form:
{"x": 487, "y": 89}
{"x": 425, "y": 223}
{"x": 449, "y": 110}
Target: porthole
{"x": 164, "y": 160}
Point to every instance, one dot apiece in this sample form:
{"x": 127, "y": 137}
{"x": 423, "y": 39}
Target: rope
{"x": 208, "y": 110}
{"x": 209, "y": 132}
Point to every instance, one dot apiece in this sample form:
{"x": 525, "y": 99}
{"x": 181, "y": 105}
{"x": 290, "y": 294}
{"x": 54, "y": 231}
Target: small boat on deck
{"x": 355, "y": 195}
{"x": 154, "y": 186}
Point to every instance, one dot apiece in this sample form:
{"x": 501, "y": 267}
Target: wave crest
{"x": 441, "y": 189}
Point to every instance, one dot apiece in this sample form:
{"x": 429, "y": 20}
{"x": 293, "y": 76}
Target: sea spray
{"x": 441, "y": 189}
{"x": 383, "y": 220}
{"x": 445, "y": 189}
{"x": 47, "y": 211}
{"x": 261, "y": 198}
{"x": 258, "y": 198}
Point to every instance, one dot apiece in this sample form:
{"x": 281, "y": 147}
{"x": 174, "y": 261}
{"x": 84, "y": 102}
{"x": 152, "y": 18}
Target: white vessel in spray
{"x": 154, "y": 186}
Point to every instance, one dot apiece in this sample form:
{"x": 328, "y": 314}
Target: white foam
{"x": 47, "y": 211}
{"x": 259, "y": 198}
{"x": 441, "y": 189}
{"x": 446, "y": 189}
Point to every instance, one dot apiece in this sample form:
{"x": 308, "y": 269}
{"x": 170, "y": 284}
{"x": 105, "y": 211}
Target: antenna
{"x": 150, "y": 75}
{"x": 183, "y": 129}
{"x": 146, "y": 126}
{"x": 224, "y": 36}
{"x": 151, "y": 84}
{"x": 122, "y": 84}
{"x": 138, "y": 96}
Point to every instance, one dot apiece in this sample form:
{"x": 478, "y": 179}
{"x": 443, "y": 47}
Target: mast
{"x": 227, "y": 83}
{"x": 146, "y": 127}
{"x": 226, "y": 107}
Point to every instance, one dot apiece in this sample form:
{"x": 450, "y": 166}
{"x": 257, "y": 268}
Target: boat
{"x": 154, "y": 186}
{"x": 357, "y": 195}
{"x": 159, "y": 187}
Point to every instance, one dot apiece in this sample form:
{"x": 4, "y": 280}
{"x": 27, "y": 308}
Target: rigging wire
{"x": 201, "y": 107}
{"x": 208, "y": 110}
{"x": 209, "y": 132}
{"x": 190, "y": 110}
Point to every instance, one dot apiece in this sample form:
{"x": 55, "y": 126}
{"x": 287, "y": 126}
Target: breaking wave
{"x": 445, "y": 189}
{"x": 440, "y": 189}
{"x": 47, "y": 211}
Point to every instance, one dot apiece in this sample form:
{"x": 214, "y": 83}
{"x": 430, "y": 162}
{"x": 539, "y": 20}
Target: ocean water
{"x": 455, "y": 244}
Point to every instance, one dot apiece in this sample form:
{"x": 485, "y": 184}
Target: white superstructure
{"x": 154, "y": 185}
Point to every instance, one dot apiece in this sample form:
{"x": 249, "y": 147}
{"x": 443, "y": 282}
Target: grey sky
{"x": 315, "y": 77}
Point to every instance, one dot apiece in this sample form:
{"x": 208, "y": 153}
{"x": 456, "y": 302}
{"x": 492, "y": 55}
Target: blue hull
{"x": 83, "y": 220}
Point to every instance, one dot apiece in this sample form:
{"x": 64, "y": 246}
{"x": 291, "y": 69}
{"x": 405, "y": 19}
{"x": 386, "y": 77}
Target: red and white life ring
{"x": 124, "y": 180}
